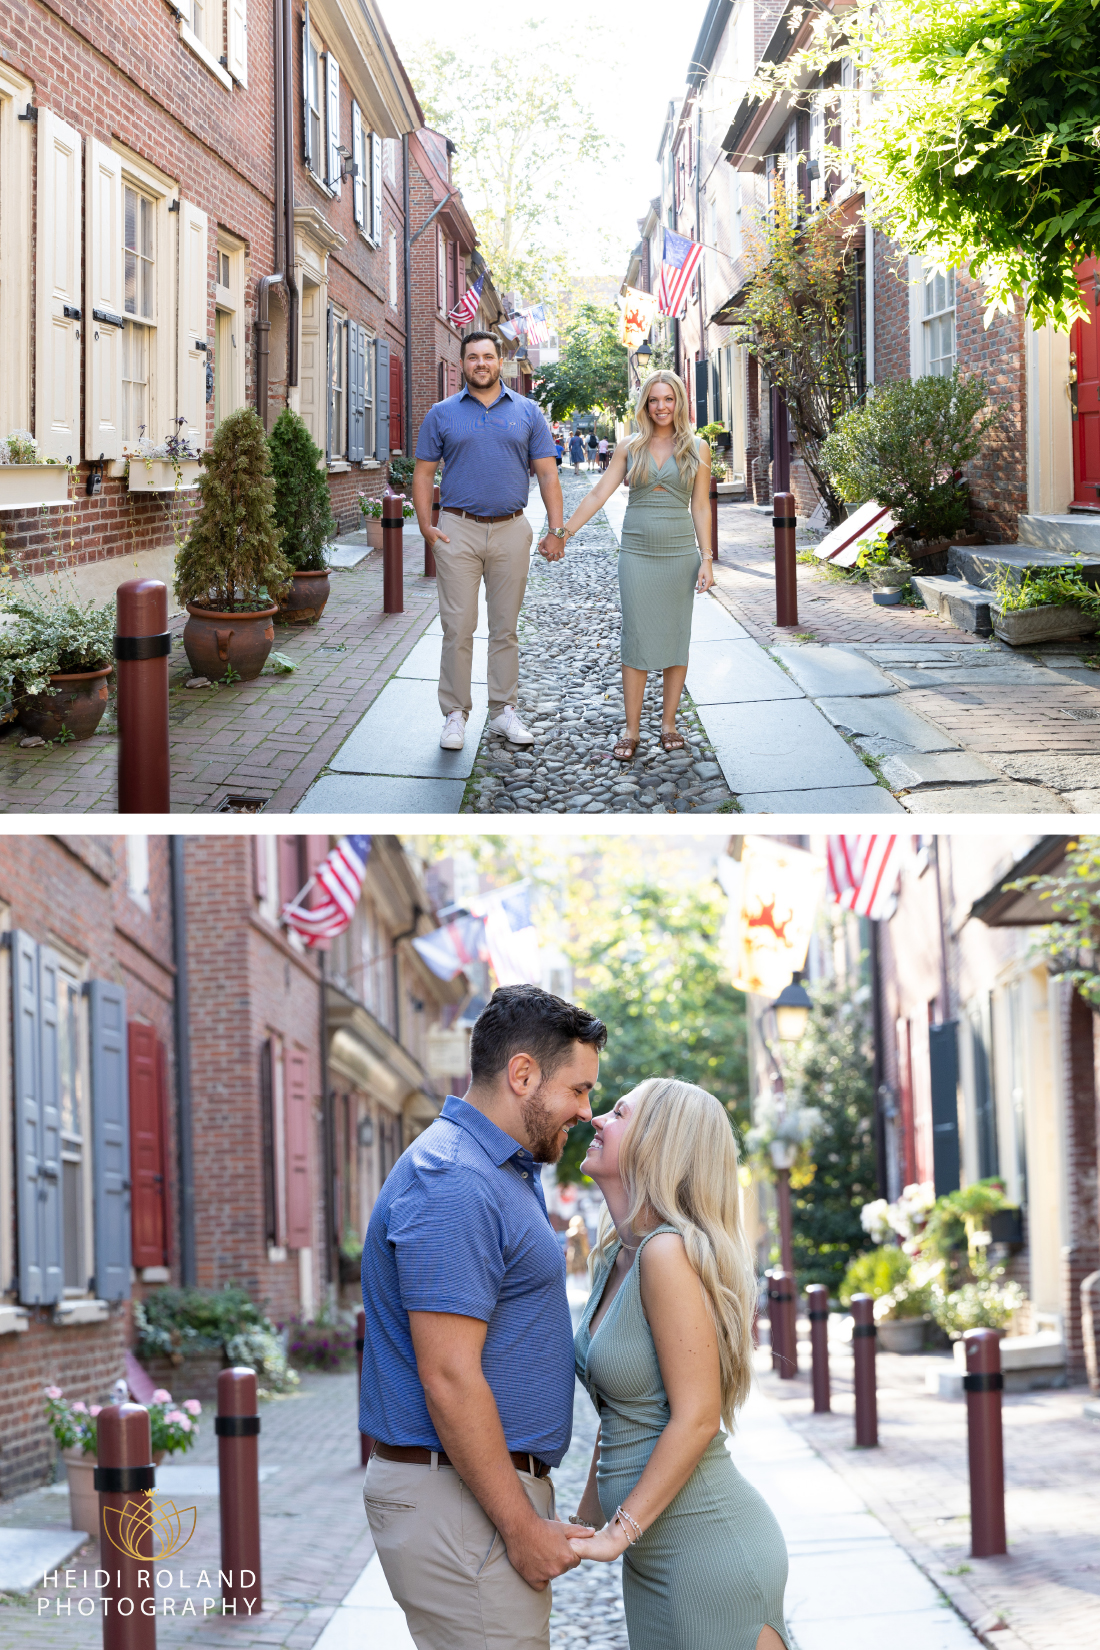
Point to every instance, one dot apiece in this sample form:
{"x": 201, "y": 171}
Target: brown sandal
{"x": 625, "y": 748}
{"x": 673, "y": 741}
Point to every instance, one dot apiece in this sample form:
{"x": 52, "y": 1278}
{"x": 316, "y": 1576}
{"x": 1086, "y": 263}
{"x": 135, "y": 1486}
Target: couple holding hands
{"x": 470, "y": 1357}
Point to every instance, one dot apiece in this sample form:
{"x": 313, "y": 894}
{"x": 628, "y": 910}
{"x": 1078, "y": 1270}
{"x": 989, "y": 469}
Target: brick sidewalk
{"x": 1045, "y": 1593}
{"x": 268, "y": 738}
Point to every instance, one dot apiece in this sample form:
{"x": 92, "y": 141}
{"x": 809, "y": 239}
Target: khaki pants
{"x": 500, "y": 553}
{"x": 445, "y": 1563}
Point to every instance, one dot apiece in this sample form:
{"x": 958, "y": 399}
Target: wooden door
{"x": 148, "y": 1208}
{"x": 1085, "y": 344}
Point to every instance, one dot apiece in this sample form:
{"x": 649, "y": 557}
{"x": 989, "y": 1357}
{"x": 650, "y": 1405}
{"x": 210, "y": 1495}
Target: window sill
{"x": 316, "y": 179}
{"x": 155, "y": 1274}
{"x": 69, "y": 1314}
{"x": 192, "y": 41}
{"x": 337, "y": 466}
{"x": 13, "y": 1320}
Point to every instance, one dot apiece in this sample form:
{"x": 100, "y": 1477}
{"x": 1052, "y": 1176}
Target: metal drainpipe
{"x": 263, "y": 327}
{"x": 263, "y": 314}
{"x": 869, "y": 301}
{"x": 288, "y": 195}
{"x": 184, "y": 1120}
{"x": 407, "y": 256}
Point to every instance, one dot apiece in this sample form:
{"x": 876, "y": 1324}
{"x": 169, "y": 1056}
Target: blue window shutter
{"x": 357, "y": 346}
{"x": 110, "y": 1138}
{"x": 49, "y": 1126}
{"x": 28, "y": 1106}
{"x": 382, "y": 400}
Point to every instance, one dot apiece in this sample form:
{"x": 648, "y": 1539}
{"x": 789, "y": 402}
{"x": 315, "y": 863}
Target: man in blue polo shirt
{"x": 468, "y": 1356}
{"x": 489, "y": 439}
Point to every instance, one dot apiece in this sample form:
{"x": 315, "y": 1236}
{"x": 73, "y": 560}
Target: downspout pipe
{"x": 263, "y": 291}
{"x": 288, "y": 195}
{"x": 184, "y": 1110}
{"x": 407, "y": 271}
{"x": 263, "y": 328}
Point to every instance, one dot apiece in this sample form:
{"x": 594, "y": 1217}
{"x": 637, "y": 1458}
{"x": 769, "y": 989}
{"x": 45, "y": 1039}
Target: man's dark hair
{"x": 475, "y": 338}
{"x": 524, "y": 1019}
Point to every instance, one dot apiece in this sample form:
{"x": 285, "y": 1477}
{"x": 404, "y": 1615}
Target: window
{"x": 938, "y": 324}
{"x": 848, "y": 115}
{"x": 368, "y": 396}
{"x": 228, "y": 330}
{"x": 137, "y": 871}
{"x": 337, "y": 381}
{"x": 817, "y": 152}
{"x": 139, "y": 305}
{"x": 72, "y": 1093}
{"x": 215, "y": 32}
{"x": 359, "y": 185}
{"x": 441, "y": 271}
{"x": 790, "y": 166}
{"x": 312, "y": 93}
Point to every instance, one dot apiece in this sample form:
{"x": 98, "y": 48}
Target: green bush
{"x": 51, "y": 633}
{"x": 303, "y": 510}
{"x": 326, "y": 1342}
{"x": 1060, "y": 587}
{"x": 877, "y": 1273}
{"x": 177, "y": 1323}
{"x": 903, "y": 445}
{"x": 401, "y": 473}
{"x": 984, "y": 1304}
{"x": 232, "y": 562}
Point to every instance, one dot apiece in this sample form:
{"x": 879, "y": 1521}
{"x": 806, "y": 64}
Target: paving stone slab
{"x": 1083, "y": 802}
{"x": 906, "y": 773}
{"x": 26, "y": 1555}
{"x": 826, "y": 670}
{"x": 889, "y": 718}
{"x": 400, "y": 735}
{"x": 979, "y": 674}
{"x": 984, "y": 799}
{"x": 840, "y": 799}
{"x": 1061, "y": 770}
{"x": 735, "y": 673}
{"x": 780, "y": 743}
{"x": 711, "y": 622}
{"x": 424, "y": 660}
{"x": 338, "y": 793}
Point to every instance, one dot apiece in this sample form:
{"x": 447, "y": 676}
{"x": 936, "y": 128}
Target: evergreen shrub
{"x": 232, "y": 562}
{"x": 303, "y": 510}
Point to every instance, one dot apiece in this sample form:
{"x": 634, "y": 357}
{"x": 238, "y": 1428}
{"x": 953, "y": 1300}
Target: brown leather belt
{"x": 417, "y": 1455}
{"x": 511, "y": 516}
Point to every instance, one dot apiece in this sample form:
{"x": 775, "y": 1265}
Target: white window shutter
{"x": 236, "y": 32}
{"x": 376, "y": 189}
{"x": 57, "y": 295}
{"x": 193, "y": 321}
{"x": 357, "y": 162}
{"x": 311, "y": 160}
{"x": 332, "y": 121}
{"x": 103, "y": 288}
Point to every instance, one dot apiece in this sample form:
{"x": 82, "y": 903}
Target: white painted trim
{"x": 916, "y": 317}
{"x": 16, "y": 146}
{"x": 13, "y": 1320}
{"x": 72, "y": 1313}
{"x": 7, "y": 1129}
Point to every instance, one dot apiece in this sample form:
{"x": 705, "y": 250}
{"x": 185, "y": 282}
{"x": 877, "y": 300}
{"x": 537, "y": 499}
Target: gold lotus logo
{"x": 128, "y": 1526}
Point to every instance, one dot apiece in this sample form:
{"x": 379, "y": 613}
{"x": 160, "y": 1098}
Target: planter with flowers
{"x": 173, "y": 1429}
{"x": 169, "y": 466}
{"x": 26, "y": 482}
{"x": 902, "y": 1291}
{"x": 56, "y": 653}
{"x": 372, "y": 518}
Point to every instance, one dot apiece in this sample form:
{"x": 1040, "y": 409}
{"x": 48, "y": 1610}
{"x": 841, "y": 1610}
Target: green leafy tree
{"x": 794, "y": 318}
{"x": 303, "y": 510}
{"x": 232, "y": 561}
{"x": 590, "y": 372}
{"x": 649, "y": 964}
{"x": 1071, "y": 945}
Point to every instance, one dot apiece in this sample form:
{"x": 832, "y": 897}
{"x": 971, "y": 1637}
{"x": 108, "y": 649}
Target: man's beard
{"x": 547, "y": 1143}
{"x": 493, "y": 380}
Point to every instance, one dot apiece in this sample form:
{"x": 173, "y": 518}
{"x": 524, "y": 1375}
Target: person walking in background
{"x": 603, "y": 452}
{"x": 667, "y": 468}
{"x": 593, "y": 447}
{"x": 559, "y": 451}
{"x": 468, "y": 1356}
{"x": 664, "y": 1349}
{"x": 488, "y": 439}
{"x": 576, "y": 452}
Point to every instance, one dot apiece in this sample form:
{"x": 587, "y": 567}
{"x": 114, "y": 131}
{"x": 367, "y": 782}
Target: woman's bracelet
{"x": 623, "y": 1517}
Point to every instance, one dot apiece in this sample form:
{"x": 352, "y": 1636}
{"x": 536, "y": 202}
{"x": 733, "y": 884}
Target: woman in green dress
{"x": 667, "y": 469}
{"x": 664, "y": 1349}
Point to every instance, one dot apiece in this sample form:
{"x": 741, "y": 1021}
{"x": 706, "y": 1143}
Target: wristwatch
{"x": 557, "y": 533}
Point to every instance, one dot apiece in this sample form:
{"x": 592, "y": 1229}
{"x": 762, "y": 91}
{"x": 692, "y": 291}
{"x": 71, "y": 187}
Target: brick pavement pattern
{"x": 268, "y": 738}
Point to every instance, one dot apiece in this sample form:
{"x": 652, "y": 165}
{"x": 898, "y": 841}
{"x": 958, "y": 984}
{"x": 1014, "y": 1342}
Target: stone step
{"x": 1066, "y": 533}
{"x": 983, "y": 564}
{"x": 966, "y": 605}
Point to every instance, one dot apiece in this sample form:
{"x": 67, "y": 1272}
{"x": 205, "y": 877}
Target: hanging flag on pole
{"x": 773, "y": 903}
{"x": 339, "y": 879}
{"x": 510, "y": 935}
{"x": 679, "y": 261}
{"x": 638, "y": 313}
{"x": 538, "y": 331}
{"x": 468, "y": 305}
{"x": 448, "y": 950}
{"x": 863, "y": 872}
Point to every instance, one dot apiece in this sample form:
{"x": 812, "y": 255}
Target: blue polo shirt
{"x": 461, "y": 1226}
{"x": 485, "y": 450}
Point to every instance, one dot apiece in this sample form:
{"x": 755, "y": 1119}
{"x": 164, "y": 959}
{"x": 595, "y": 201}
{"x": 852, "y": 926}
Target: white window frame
{"x": 7, "y": 1167}
{"x": 207, "y": 42}
{"x": 162, "y": 190}
{"x": 920, "y": 275}
{"x": 16, "y": 171}
{"x": 817, "y": 150}
{"x": 72, "y": 972}
{"x": 931, "y": 316}
{"x": 336, "y": 364}
{"x": 229, "y": 301}
{"x": 137, "y": 871}
{"x": 315, "y": 97}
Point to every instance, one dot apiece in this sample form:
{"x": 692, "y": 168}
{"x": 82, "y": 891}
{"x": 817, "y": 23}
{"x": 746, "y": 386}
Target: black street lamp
{"x": 790, "y": 1013}
{"x": 642, "y": 357}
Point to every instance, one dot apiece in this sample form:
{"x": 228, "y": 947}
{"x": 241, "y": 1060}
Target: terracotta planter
{"x": 83, "y": 1496}
{"x": 76, "y": 700}
{"x": 372, "y": 526}
{"x": 305, "y": 601}
{"x": 1056, "y": 622}
{"x": 900, "y": 1334}
{"x": 214, "y": 641}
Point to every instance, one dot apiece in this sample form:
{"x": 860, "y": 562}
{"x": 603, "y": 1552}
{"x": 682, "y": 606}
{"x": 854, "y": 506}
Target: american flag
{"x": 863, "y": 872}
{"x": 538, "y": 332}
{"x": 678, "y": 265}
{"x": 339, "y": 881}
{"x": 468, "y": 305}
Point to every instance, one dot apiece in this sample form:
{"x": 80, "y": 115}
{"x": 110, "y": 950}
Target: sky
{"x": 633, "y": 59}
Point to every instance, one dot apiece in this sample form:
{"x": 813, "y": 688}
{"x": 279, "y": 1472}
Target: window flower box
{"x": 158, "y": 475}
{"x": 28, "y": 486}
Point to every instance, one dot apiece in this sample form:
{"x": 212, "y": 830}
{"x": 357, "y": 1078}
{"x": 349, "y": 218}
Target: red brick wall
{"x": 1080, "y": 1047}
{"x": 84, "y": 1362}
{"x": 434, "y": 339}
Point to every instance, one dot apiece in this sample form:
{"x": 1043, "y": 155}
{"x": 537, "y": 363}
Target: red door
{"x": 148, "y": 1206}
{"x": 1085, "y": 344}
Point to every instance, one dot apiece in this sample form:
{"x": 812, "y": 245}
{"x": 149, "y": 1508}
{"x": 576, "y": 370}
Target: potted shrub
{"x": 902, "y": 1300}
{"x": 74, "y": 1428}
{"x": 167, "y": 466}
{"x": 303, "y": 516}
{"x": 905, "y": 447}
{"x": 401, "y": 470}
{"x": 200, "y": 1331}
{"x": 56, "y": 653}
{"x": 1045, "y": 606}
{"x": 371, "y": 509}
{"x": 887, "y": 572}
{"x": 27, "y": 482}
{"x": 231, "y": 570}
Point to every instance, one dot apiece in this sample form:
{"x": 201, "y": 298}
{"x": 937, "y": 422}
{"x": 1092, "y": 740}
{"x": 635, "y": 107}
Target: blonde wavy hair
{"x": 678, "y": 1161}
{"x": 684, "y": 447}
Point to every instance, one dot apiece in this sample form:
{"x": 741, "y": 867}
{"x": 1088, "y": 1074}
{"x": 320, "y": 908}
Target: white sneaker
{"x": 510, "y": 725}
{"x": 453, "y": 736}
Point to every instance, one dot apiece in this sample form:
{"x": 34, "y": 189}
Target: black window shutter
{"x": 382, "y": 400}
{"x": 110, "y": 1138}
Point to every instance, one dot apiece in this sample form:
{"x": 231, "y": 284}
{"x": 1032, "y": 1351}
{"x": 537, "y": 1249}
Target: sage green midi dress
{"x": 709, "y": 1573}
{"x": 658, "y": 565}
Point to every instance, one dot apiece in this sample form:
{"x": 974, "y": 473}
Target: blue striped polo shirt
{"x": 485, "y": 450}
{"x": 461, "y": 1226}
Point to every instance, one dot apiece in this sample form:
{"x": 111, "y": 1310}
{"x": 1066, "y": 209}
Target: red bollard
{"x": 429, "y": 553}
{"x": 393, "y": 572}
{"x": 124, "y": 1478}
{"x": 713, "y": 516}
{"x": 142, "y": 646}
{"x": 786, "y": 1302}
{"x": 365, "y": 1443}
{"x": 784, "y": 520}
{"x": 817, "y": 1304}
{"x": 863, "y": 1356}
{"x": 983, "y": 1384}
{"x": 237, "y": 1428}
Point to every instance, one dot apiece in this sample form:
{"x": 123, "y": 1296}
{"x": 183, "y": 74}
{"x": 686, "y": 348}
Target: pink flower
{"x": 53, "y": 1393}
{"x": 162, "y": 1397}
{"x": 95, "y": 1409}
{"x": 192, "y": 1406}
{"x": 80, "y": 1408}
{"x": 175, "y": 1415}
{"x": 185, "y": 1423}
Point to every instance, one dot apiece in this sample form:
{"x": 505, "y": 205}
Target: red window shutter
{"x": 299, "y": 1225}
{"x": 397, "y": 402}
{"x": 441, "y": 268}
{"x": 147, "y": 1205}
{"x": 291, "y": 879}
{"x": 259, "y": 866}
{"x": 452, "y": 295}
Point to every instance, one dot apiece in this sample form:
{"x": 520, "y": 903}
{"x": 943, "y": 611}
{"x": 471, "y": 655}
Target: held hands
{"x": 546, "y": 1548}
{"x": 603, "y": 1546}
{"x": 552, "y": 547}
{"x": 706, "y": 576}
